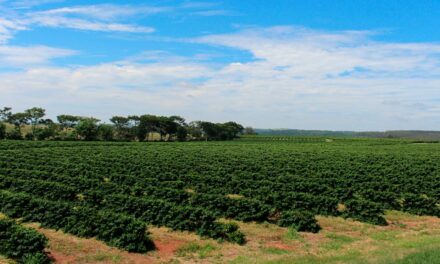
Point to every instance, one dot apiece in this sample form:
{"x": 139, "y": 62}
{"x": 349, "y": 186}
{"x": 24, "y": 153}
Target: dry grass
{"x": 235, "y": 196}
{"x": 3, "y": 260}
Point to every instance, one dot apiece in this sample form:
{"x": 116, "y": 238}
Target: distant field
{"x": 414, "y": 134}
{"x": 255, "y": 200}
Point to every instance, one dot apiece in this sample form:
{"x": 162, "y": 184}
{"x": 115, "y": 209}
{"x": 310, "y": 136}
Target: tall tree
{"x": 194, "y": 130}
{"x": 232, "y": 130}
{"x": 67, "y": 121}
{"x": 105, "y": 132}
{"x": 5, "y": 113}
{"x": 87, "y": 128}
{"x": 35, "y": 114}
{"x": 18, "y": 120}
{"x": 182, "y": 133}
{"x": 147, "y": 124}
{"x": 122, "y": 126}
{"x": 210, "y": 130}
{"x": 2, "y": 130}
{"x": 167, "y": 126}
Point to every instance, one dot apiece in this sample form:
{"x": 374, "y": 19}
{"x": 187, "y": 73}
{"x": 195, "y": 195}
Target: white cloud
{"x": 25, "y": 57}
{"x": 25, "y": 4}
{"x": 215, "y": 12}
{"x": 7, "y": 29}
{"x": 82, "y": 24}
{"x": 104, "y": 11}
{"x": 298, "y": 78}
{"x": 93, "y": 17}
{"x": 105, "y": 17}
{"x": 304, "y": 52}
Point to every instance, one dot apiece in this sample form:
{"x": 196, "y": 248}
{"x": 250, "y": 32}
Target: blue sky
{"x": 341, "y": 65}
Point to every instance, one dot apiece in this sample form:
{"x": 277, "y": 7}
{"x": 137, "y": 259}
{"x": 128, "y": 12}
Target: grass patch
{"x": 202, "y": 251}
{"x": 424, "y": 257}
{"x": 337, "y": 241}
{"x": 385, "y": 235}
{"x": 241, "y": 260}
{"x": 352, "y": 257}
{"x": 102, "y": 257}
{"x": 274, "y": 251}
{"x": 292, "y": 234}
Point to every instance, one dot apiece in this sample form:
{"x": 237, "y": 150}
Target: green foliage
{"x": 5, "y": 113}
{"x": 366, "y": 211}
{"x": 34, "y": 115}
{"x": 190, "y": 186}
{"x": 105, "y": 132}
{"x": 14, "y": 134}
{"x": 68, "y": 121}
{"x": 87, "y": 129}
{"x": 18, "y": 119}
{"x": 123, "y": 127}
{"x": 194, "y": 248}
{"x": 66, "y": 135}
{"x": 420, "y": 205}
{"x": 115, "y": 229}
{"x": 43, "y": 133}
{"x": 428, "y": 256}
{"x": 2, "y": 130}
{"x": 29, "y": 136}
{"x": 228, "y": 232}
{"x": 292, "y": 234}
{"x": 22, "y": 244}
{"x": 37, "y": 258}
{"x": 301, "y": 221}
{"x": 182, "y": 133}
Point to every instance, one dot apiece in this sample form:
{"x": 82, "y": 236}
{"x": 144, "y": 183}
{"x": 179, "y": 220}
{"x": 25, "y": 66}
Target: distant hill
{"x": 414, "y": 134}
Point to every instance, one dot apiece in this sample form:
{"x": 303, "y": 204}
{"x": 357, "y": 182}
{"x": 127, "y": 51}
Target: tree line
{"x": 121, "y": 128}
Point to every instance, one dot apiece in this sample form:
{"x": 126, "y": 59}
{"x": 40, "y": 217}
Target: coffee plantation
{"x": 114, "y": 190}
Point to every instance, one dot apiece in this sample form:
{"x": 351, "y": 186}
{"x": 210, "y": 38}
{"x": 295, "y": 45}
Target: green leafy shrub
{"x": 223, "y": 231}
{"x": 37, "y": 258}
{"x": 14, "y": 135}
{"x": 300, "y": 220}
{"x": 22, "y": 244}
{"x": 2, "y": 130}
{"x": 365, "y": 211}
{"x": 29, "y": 136}
{"x": 42, "y": 133}
{"x": 117, "y": 230}
{"x": 420, "y": 205}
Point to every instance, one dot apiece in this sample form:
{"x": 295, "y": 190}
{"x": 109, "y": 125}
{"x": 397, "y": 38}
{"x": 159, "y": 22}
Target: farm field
{"x": 254, "y": 200}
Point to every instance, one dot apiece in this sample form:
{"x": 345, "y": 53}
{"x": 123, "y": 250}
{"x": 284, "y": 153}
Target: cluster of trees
{"x": 127, "y": 128}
